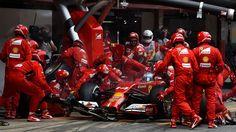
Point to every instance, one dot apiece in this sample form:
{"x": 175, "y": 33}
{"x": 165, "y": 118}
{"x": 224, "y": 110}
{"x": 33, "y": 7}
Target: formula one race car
{"x": 131, "y": 98}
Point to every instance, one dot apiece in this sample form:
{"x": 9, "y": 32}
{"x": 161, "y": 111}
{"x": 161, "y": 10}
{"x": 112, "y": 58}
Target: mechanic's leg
{"x": 174, "y": 114}
{"x": 196, "y": 98}
{"x": 210, "y": 96}
{"x": 30, "y": 89}
{"x": 181, "y": 83}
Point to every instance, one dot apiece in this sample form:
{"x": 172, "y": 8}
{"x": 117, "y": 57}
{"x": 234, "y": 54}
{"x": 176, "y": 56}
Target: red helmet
{"x": 22, "y": 30}
{"x": 40, "y": 56}
{"x": 181, "y": 31}
{"x": 177, "y": 37}
{"x": 61, "y": 74}
{"x": 133, "y": 36}
{"x": 33, "y": 44}
{"x": 203, "y": 36}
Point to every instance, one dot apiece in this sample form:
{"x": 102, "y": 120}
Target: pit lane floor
{"x": 78, "y": 123}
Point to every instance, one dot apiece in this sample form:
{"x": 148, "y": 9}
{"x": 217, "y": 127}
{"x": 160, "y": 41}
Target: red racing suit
{"x": 15, "y": 51}
{"x": 169, "y": 74}
{"x": 232, "y": 91}
{"x": 104, "y": 65}
{"x": 138, "y": 54}
{"x": 221, "y": 110}
{"x": 76, "y": 58}
{"x": 35, "y": 87}
{"x": 63, "y": 89}
{"x": 210, "y": 64}
{"x": 185, "y": 64}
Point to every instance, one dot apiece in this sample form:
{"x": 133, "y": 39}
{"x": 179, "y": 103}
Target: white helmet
{"x": 147, "y": 36}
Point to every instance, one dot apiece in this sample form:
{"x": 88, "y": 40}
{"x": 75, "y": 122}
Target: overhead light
{"x": 124, "y": 4}
{"x": 125, "y": 22}
{"x": 108, "y": 22}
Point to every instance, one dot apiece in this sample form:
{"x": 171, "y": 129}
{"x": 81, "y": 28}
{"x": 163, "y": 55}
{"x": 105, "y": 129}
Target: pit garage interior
{"x": 124, "y": 16}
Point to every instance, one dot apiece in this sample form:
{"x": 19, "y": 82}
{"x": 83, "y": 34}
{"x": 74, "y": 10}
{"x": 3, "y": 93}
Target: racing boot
{"x": 32, "y": 117}
{"x": 7, "y": 115}
{"x": 46, "y": 115}
{"x": 211, "y": 124}
{"x": 195, "y": 122}
{"x": 228, "y": 117}
{"x": 173, "y": 123}
{"x": 13, "y": 114}
{"x": 186, "y": 121}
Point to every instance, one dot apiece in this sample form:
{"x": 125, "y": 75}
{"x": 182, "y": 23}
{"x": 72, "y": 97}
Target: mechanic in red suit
{"x": 232, "y": 91}
{"x": 136, "y": 51}
{"x": 185, "y": 65}
{"x": 30, "y": 80}
{"x": 33, "y": 45}
{"x": 168, "y": 45}
{"x": 222, "y": 113}
{"x": 169, "y": 75}
{"x": 210, "y": 64}
{"x": 105, "y": 63}
{"x": 15, "y": 51}
{"x": 61, "y": 87}
{"x": 112, "y": 59}
{"x": 76, "y": 58}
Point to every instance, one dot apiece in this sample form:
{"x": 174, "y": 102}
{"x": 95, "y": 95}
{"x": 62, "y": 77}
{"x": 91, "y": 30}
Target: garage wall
{"x": 11, "y": 17}
{"x": 147, "y": 21}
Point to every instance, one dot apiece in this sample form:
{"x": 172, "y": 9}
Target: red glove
{"x": 161, "y": 96}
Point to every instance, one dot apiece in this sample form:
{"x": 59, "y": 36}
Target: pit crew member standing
{"x": 15, "y": 51}
{"x": 185, "y": 64}
{"x": 210, "y": 65}
{"x": 232, "y": 91}
{"x": 134, "y": 50}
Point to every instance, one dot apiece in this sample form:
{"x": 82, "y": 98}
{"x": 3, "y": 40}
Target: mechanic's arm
{"x": 167, "y": 60}
{"x": 67, "y": 57}
{"x": 194, "y": 63}
{"x": 28, "y": 54}
{"x": 220, "y": 62}
{"x": 39, "y": 75}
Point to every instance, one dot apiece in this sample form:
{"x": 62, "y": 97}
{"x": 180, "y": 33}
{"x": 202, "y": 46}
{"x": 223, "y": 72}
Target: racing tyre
{"x": 154, "y": 92}
{"x": 90, "y": 92}
{"x": 153, "y": 99}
